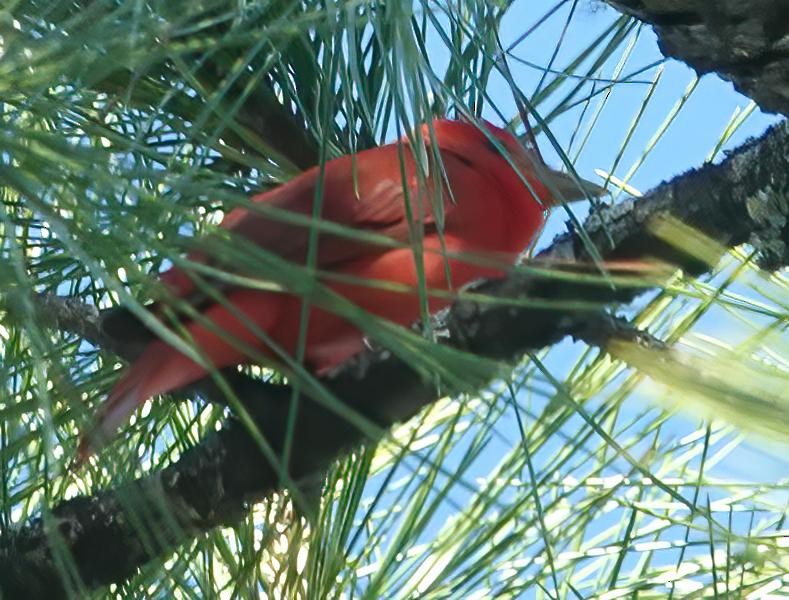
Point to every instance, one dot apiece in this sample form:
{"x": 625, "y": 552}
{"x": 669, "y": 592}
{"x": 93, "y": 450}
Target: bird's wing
{"x": 367, "y": 193}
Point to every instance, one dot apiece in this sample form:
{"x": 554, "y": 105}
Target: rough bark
{"x": 745, "y": 42}
{"x": 744, "y": 199}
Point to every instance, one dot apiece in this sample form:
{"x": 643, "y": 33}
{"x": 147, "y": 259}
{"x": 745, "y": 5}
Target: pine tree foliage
{"x": 129, "y": 127}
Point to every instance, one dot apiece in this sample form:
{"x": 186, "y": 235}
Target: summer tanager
{"x": 488, "y": 211}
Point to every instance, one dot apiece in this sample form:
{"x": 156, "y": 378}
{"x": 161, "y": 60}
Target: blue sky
{"x": 689, "y": 139}
{"x": 686, "y": 143}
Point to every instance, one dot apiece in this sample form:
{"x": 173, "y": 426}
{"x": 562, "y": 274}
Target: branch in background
{"x": 249, "y": 98}
{"x": 741, "y": 200}
{"x": 601, "y": 330}
{"x": 261, "y": 114}
{"x": 744, "y": 42}
{"x": 71, "y": 315}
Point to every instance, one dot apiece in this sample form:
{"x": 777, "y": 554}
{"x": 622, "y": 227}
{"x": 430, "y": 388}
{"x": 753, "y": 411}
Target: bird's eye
{"x": 492, "y": 146}
{"x": 464, "y": 160}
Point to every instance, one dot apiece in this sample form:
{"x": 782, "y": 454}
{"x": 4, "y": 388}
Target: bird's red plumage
{"x": 488, "y": 212}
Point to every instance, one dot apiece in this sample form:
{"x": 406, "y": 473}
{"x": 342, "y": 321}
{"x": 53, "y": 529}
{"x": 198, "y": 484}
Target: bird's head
{"x": 486, "y": 144}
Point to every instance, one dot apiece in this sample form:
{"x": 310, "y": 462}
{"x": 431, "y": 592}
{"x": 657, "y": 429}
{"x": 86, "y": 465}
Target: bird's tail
{"x": 160, "y": 369}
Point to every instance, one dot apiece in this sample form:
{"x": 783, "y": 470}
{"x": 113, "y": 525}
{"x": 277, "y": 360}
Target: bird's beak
{"x": 564, "y": 188}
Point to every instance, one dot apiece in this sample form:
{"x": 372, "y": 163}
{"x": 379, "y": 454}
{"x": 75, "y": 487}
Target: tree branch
{"x": 248, "y": 100}
{"x": 744, "y": 42}
{"x": 741, "y": 200}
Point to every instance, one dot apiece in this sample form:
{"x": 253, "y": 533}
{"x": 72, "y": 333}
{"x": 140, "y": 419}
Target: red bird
{"x": 488, "y": 210}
